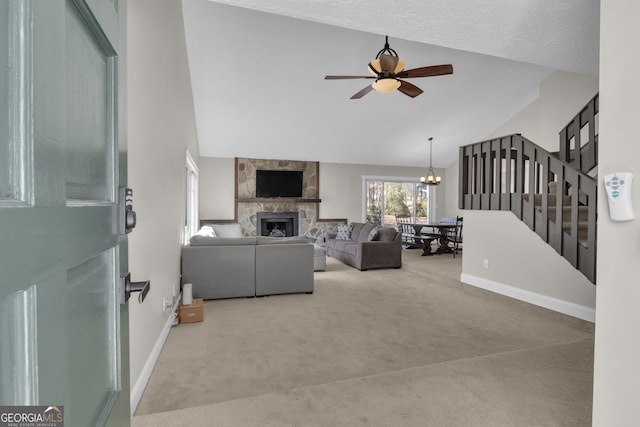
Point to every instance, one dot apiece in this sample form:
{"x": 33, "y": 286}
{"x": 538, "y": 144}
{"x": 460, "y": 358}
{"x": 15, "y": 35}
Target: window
{"x": 191, "y": 219}
{"x": 386, "y": 197}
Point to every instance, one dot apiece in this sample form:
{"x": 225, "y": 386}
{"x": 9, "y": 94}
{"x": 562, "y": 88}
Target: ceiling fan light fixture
{"x": 387, "y": 68}
{"x": 374, "y": 67}
{"x": 386, "y": 85}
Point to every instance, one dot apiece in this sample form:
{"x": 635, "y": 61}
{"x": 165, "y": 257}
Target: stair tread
{"x": 568, "y": 207}
{"x": 582, "y": 225}
{"x": 583, "y": 212}
{"x": 551, "y": 199}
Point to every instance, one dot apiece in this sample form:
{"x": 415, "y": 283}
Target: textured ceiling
{"x": 258, "y": 83}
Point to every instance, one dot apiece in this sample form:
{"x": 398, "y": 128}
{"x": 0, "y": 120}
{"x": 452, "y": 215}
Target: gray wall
{"x": 161, "y": 126}
{"x": 340, "y": 188}
{"x": 561, "y": 96}
{"x": 217, "y": 188}
{"x": 617, "y": 354}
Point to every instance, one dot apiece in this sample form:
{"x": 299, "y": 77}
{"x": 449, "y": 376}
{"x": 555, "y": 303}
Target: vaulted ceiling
{"x": 257, "y": 73}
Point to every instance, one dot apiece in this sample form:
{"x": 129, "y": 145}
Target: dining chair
{"x": 403, "y": 223}
{"x": 403, "y": 219}
{"x": 454, "y": 237}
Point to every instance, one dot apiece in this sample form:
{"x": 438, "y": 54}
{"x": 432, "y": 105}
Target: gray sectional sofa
{"x": 367, "y": 246}
{"x": 231, "y": 267}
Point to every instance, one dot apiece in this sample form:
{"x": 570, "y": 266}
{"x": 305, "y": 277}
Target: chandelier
{"x": 431, "y": 178}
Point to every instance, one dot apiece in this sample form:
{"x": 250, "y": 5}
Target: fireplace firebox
{"x": 277, "y": 224}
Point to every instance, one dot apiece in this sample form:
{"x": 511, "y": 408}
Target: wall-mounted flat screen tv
{"x": 278, "y": 183}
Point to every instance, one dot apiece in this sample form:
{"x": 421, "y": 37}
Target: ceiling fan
{"x": 388, "y": 69}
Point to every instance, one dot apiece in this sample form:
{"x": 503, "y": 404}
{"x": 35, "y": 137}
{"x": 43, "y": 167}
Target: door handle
{"x": 127, "y": 287}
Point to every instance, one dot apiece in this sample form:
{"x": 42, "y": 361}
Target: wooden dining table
{"x": 438, "y": 232}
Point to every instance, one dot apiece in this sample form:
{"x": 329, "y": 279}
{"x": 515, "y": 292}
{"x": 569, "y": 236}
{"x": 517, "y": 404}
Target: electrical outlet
{"x": 166, "y": 303}
{"x": 486, "y": 263}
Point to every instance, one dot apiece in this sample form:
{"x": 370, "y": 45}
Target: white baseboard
{"x": 564, "y": 307}
{"x": 143, "y": 379}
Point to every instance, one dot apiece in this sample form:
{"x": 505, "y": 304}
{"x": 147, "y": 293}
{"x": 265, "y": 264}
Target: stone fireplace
{"x": 277, "y": 224}
{"x": 250, "y": 209}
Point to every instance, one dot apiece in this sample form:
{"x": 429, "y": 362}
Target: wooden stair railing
{"x": 579, "y": 139}
{"x": 501, "y": 173}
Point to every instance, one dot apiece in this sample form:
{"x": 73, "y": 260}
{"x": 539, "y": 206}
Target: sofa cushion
{"x": 227, "y": 230}
{"x": 221, "y": 241}
{"x": 356, "y": 227}
{"x": 344, "y": 232}
{"x": 364, "y": 233}
{"x": 339, "y": 244}
{"x": 386, "y": 234}
{"x": 266, "y": 240}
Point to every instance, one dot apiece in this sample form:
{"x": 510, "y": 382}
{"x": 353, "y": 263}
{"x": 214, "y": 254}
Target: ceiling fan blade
{"x": 433, "y": 70}
{"x": 409, "y": 89}
{"x": 388, "y": 63}
{"x": 348, "y": 77}
{"x": 363, "y": 92}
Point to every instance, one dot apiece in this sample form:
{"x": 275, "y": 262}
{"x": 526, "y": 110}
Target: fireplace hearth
{"x": 277, "y": 224}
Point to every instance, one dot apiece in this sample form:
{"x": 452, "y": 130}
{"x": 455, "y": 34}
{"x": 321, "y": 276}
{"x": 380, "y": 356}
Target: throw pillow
{"x": 206, "y": 230}
{"x": 344, "y": 232}
{"x": 372, "y": 233}
{"x": 228, "y": 230}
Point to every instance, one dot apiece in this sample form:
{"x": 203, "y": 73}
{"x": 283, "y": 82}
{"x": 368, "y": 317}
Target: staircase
{"x": 503, "y": 173}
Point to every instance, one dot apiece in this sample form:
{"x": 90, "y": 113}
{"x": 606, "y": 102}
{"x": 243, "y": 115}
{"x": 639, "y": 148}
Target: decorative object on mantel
{"x": 388, "y": 68}
{"x": 431, "y": 178}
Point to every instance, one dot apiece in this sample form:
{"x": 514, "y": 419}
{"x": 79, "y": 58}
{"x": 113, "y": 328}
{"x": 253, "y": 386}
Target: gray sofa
{"x": 367, "y": 249}
{"x": 231, "y": 267}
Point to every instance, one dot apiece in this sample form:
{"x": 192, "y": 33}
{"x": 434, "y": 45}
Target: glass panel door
{"x": 422, "y": 203}
{"x": 374, "y": 202}
{"x": 7, "y": 187}
{"x": 398, "y": 200}
{"x": 386, "y": 198}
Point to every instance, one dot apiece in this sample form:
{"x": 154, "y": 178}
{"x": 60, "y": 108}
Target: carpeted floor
{"x": 407, "y": 347}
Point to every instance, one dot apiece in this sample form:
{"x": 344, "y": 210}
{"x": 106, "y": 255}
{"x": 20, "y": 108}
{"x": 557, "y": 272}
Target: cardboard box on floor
{"x": 191, "y": 313}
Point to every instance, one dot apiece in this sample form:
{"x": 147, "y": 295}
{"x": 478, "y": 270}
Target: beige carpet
{"x": 407, "y": 347}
